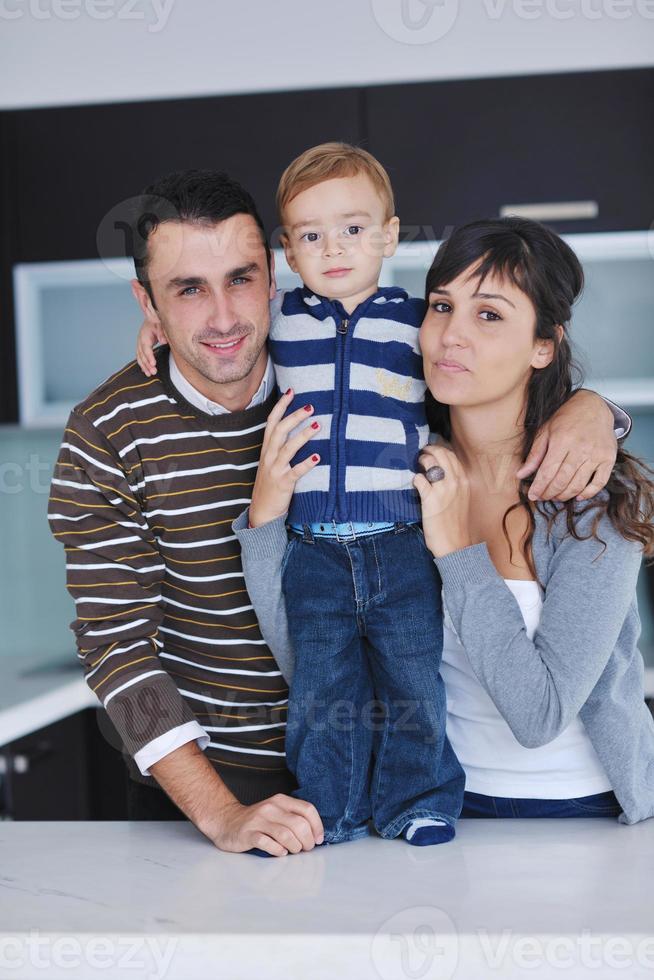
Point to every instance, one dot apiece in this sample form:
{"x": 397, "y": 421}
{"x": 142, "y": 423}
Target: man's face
{"x": 211, "y": 288}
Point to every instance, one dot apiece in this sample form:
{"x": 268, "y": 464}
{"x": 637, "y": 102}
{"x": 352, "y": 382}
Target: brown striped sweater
{"x": 144, "y": 492}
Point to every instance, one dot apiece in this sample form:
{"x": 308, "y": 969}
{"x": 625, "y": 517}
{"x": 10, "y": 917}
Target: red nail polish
{"x": 315, "y": 425}
{"x": 307, "y": 408}
{"x": 314, "y": 458}
{"x": 288, "y": 391}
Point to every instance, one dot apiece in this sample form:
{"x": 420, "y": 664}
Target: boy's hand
{"x": 276, "y": 478}
{"x": 150, "y": 334}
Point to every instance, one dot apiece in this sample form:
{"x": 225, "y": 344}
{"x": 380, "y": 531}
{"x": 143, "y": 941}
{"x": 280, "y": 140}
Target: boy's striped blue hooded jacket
{"x": 363, "y": 375}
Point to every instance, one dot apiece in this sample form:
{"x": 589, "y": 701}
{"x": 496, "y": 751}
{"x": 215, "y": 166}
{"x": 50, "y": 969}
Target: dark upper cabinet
{"x": 457, "y": 151}
{"x": 76, "y": 164}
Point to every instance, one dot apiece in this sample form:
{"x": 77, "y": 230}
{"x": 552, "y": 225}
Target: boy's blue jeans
{"x": 366, "y": 720}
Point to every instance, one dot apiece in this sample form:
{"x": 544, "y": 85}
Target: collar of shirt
{"x": 199, "y": 400}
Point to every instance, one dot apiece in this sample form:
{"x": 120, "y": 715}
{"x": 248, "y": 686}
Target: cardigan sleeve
{"x": 540, "y": 685}
{"x": 262, "y": 552}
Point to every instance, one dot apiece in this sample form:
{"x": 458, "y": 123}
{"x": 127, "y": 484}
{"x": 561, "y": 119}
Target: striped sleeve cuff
{"x": 149, "y": 707}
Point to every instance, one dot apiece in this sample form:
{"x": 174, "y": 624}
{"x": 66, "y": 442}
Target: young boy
{"x": 361, "y": 633}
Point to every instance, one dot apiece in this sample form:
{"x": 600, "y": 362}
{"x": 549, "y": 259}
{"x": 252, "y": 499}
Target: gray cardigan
{"x": 583, "y": 660}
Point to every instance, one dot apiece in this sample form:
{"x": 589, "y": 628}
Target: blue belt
{"x": 348, "y": 529}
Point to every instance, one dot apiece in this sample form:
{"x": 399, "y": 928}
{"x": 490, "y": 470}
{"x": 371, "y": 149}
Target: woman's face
{"x": 478, "y": 340}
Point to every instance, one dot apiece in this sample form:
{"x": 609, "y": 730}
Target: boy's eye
{"x": 310, "y": 236}
{"x": 190, "y": 291}
{"x": 491, "y": 315}
{"x": 440, "y": 306}
{"x": 239, "y": 279}
{"x": 353, "y": 230}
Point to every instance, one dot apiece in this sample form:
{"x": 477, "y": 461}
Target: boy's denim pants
{"x": 366, "y": 721}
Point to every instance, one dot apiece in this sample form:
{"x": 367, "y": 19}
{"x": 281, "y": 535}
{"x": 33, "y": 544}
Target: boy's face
{"x": 336, "y": 236}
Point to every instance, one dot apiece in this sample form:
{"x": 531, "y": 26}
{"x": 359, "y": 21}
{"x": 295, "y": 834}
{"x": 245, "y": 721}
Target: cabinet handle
{"x": 553, "y": 211}
{"x": 22, "y": 762}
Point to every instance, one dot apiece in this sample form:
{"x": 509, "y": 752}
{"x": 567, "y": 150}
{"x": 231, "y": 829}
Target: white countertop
{"x": 509, "y": 898}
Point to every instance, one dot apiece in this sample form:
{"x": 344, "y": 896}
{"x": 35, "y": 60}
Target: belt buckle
{"x": 344, "y": 540}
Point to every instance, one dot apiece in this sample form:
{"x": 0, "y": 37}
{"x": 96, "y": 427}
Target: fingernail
{"x": 288, "y": 391}
{"x": 307, "y": 408}
{"x": 315, "y": 425}
{"x": 314, "y": 458}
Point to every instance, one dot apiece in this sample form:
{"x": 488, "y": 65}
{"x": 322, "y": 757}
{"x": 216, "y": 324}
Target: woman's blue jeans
{"x": 365, "y": 736}
{"x": 598, "y": 805}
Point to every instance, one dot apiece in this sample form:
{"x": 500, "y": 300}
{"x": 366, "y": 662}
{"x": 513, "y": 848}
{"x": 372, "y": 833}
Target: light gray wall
{"x": 74, "y": 51}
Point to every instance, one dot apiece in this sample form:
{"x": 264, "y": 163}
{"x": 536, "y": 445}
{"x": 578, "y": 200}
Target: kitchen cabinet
{"x": 79, "y": 163}
{"x": 69, "y": 770}
{"x": 461, "y": 150}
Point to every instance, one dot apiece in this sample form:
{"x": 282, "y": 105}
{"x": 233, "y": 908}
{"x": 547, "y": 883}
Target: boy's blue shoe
{"x": 264, "y": 854}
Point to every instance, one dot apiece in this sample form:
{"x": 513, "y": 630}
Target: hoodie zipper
{"x": 341, "y": 330}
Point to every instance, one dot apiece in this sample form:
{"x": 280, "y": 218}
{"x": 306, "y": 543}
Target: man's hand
{"x": 574, "y": 453}
{"x": 278, "y": 825}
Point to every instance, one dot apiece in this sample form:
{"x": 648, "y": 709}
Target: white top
{"x": 495, "y": 763}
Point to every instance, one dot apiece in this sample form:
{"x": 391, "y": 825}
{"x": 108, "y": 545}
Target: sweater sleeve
{"x": 262, "y": 553}
{"x": 114, "y": 572}
{"x": 540, "y": 686}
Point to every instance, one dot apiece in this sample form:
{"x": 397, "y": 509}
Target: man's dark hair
{"x": 196, "y": 196}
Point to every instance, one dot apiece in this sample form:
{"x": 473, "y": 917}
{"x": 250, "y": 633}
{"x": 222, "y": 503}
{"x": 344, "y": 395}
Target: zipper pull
{"x": 343, "y": 325}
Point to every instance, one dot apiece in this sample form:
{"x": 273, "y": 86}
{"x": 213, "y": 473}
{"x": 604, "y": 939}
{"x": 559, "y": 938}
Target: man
{"x": 151, "y": 474}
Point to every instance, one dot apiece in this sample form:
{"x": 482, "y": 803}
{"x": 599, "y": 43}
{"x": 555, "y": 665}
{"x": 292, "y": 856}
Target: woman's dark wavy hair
{"x": 546, "y": 269}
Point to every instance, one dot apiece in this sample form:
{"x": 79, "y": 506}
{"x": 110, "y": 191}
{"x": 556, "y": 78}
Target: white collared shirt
{"x": 205, "y": 404}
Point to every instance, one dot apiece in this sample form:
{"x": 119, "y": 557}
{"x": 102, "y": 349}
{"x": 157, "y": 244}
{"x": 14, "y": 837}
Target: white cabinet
{"x": 612, "y": 328}
{"x": 77, "y": 321}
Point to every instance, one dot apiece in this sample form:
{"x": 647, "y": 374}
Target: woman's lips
{"x": 451, "y": 367}
{"x": 225, "y": 348}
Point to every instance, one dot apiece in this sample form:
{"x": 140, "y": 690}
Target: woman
{"x": 543, "y": 676}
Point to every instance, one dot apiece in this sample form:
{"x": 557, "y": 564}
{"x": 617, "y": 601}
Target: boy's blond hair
{"x": 329, "y": 160}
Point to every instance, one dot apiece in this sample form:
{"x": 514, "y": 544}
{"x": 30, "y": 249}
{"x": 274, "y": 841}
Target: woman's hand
{"x": 445, "y": 504}
{"x": 149, "y": 335}
{"x": 276, "y": 478}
